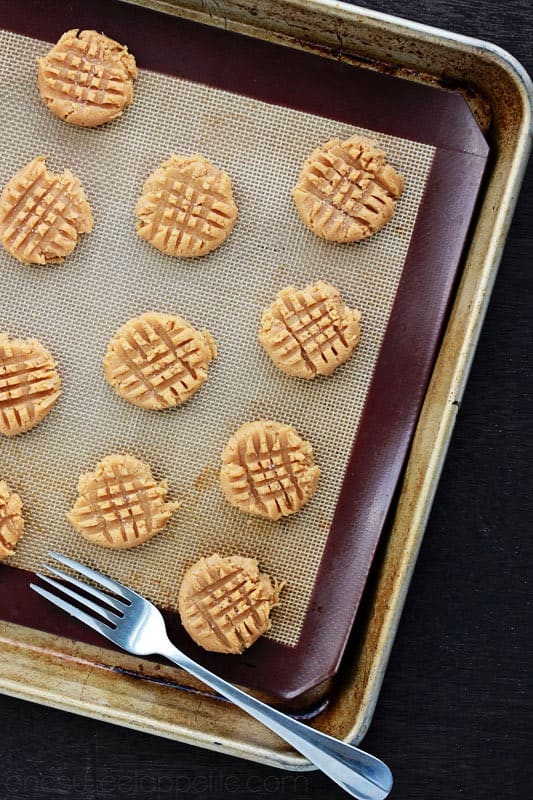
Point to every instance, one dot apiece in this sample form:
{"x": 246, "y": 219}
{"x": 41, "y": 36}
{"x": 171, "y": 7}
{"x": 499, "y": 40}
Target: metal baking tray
{"x": 479, "y": 80}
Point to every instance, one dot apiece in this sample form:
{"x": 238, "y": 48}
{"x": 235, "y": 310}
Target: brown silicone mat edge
{"x": 394, "y": 106}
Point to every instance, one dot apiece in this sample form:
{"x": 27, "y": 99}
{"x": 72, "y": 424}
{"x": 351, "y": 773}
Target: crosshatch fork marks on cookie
{"x": 86, "y": 78}
{"x": 346, "y": 190}
{"x": 186, "y": 208}
{"x": 29, "y": 384}
{"x": 157, "y": 361}
{"x": 120, "y": 505}
{"x": 225, "y": 603}
{"x": 267, "y": 469}
{"x": 43, "y": 214}
{"x": 309, "y": 332}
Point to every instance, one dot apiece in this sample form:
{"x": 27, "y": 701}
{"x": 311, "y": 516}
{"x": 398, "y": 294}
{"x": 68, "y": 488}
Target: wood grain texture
{"x": 455, "y": 712}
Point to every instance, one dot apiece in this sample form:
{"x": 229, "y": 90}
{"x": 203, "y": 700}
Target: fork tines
{"x": 110, "y": 608}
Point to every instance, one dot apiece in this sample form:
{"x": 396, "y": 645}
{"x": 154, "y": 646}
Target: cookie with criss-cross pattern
{"x": 29, "y": 384}
{"x": 268, "y": 470}
{"x": 11, "y": 520}
{"x": 43, "y": 214}
{"x": 158, "y": 361}
{"x": 186, "y": 208}
{"x": 225, "y": 603}
{"x": 346, "y": 190}
{"x": 120, "y": 505}
{"x": 86, "y": 78}
{"x": 311, "y": 331}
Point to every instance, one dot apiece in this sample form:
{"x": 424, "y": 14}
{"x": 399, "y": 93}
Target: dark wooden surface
{"x": 454, "y": 715}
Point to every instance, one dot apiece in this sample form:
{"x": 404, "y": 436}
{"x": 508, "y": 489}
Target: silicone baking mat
{"x": 75, "y": 307}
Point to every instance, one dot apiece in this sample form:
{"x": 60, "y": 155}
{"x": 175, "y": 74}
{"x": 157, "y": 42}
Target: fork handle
{"x": 360, "y": 774}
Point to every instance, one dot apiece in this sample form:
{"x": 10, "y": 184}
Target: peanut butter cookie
{"x": 346, "y": 190}
{"x": 225, "y": 603}
{"x": 86, "y": 78}
{"x": 29, "y": 384}
{"x": 158, "y": 361}
{"x": 268, "y": 470}
{"x": 43, "y": 214}
{"x": 186, "y": 208}
{"x": 120, "y": 505}
{"x": 11, "y": 521}
{"x": 311, "y": 331}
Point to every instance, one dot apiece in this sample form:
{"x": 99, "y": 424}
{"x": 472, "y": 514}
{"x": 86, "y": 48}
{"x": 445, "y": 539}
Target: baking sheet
{"x": 74, "y": 308}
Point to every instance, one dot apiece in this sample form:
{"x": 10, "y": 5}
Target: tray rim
{"x": 440, "y": 405}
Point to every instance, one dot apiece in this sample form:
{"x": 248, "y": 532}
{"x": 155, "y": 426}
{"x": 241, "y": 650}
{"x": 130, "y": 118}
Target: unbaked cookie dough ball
{"x": 43, "y": 214}
{"x": 268, "y": 470}
{"x": 225, "y": 603}
{"x": 158, "y": 361}
{"x": 120, "y": 505}
{"x": 86, "y": 78}
{"x": 186, "y": 208}
{"x": 311, "y": 331}
{"x": 346, "y": 190}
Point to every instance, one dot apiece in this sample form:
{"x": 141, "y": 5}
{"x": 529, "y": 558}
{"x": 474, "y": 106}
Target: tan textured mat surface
{"x": 74, "y": 308}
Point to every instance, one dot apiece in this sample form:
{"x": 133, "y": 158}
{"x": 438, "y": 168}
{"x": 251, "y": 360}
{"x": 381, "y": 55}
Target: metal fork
{"x": 134, "y": 624}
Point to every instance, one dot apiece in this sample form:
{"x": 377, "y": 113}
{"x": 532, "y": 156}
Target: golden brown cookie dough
{"x": 11, "y": 521}
{"x": 43, "y": 214}
{"x": 268, "y": 470}
{"x": 158, "y": 360}
{"x": 225, "y": 603}
{"x": 186, "y": 207}
{"x": 346, "y": 190}
{"x": 311, "y": 331}
{"x": 86, "y": 78}
{"x": 29, "y": 384}
{"x": 120, "y": 505}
